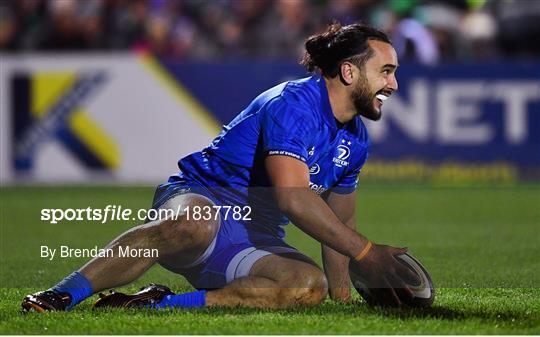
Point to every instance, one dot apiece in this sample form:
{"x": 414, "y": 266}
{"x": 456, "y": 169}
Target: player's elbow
{"x": 289, "y": 201}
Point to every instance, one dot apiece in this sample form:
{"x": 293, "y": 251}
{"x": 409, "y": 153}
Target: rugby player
{"x": 293, "y": 154}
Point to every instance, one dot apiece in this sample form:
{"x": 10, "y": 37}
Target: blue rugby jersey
{"x": 293, "y": 119}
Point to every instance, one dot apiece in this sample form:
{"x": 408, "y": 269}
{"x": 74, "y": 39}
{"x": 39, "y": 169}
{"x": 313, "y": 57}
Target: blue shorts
{"x": 233, "y": 251}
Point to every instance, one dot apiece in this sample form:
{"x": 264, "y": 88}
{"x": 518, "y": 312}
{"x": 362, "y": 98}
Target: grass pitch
{"x": 481, "y": 246}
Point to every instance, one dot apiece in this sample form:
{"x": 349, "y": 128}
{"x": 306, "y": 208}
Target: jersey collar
{"x": 327, "y": 112}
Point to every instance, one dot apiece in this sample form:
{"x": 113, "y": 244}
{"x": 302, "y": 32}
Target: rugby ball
{"x": 424, "y": 291}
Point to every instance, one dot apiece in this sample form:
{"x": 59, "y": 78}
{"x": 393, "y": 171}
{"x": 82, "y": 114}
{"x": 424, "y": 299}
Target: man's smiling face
{"x": 378, "y": 81}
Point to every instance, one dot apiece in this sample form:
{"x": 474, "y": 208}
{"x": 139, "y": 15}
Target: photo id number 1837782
{"x": 213, "y": 212}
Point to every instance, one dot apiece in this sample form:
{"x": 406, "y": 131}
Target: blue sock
{"x": 77, "y": 286}
{"x": 194, "y": 299}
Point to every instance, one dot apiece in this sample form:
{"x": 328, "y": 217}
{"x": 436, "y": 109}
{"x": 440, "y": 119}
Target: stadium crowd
{"x": 426, "y": 31}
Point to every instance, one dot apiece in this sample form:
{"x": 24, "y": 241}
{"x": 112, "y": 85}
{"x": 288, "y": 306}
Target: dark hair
{"x": 327, "y": 50}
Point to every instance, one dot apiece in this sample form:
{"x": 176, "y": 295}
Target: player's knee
{"x": 187, "y": 233}
{"x": 309, "y": 288}
{"x": 314, "y": 289}
{"x": 181, "y": 229}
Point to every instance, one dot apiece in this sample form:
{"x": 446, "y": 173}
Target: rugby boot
{"x": 46, "y": 301}
{"x": 147, "y": 297}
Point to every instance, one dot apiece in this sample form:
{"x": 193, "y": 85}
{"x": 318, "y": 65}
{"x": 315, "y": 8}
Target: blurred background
{"x": 429, "y": 32}
{"x": 118, "y": 90}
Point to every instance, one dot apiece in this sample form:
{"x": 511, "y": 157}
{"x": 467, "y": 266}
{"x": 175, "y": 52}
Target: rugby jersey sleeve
{"x": 287, "y": 129}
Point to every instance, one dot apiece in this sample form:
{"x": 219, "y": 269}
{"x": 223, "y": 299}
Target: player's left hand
{"x": 385, "y": 275}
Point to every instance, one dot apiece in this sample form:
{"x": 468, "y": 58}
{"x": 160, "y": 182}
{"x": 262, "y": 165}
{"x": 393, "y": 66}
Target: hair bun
{"x": 326, "y": 50}
{"x": 318, "y": 48}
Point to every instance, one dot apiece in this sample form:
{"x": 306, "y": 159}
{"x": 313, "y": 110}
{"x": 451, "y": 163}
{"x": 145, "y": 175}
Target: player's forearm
{"x": 336, "y": 268}
{"x": 336, "y": 265}
{"x": 313, "y": 216}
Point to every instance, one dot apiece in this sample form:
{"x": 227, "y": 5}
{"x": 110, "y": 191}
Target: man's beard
{"x": 363, "y": 101}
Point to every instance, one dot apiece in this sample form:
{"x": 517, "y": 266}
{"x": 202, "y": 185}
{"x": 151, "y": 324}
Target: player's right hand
{"x": 384, "y": 275}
